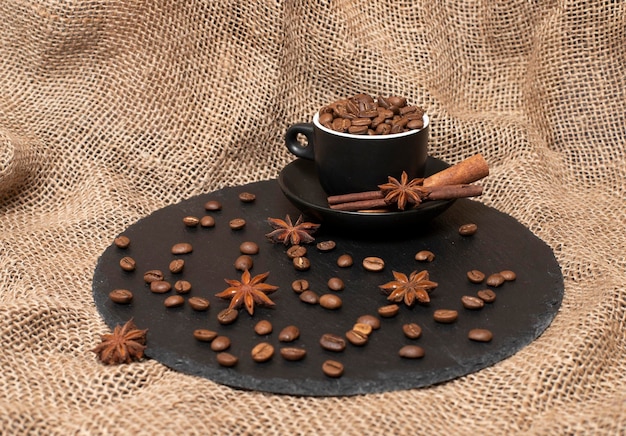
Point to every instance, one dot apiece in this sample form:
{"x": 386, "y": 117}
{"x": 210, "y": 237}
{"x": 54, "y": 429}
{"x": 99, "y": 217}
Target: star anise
{"x": 125, "y": 344}
{"x": 403, "y": 191}
{"x": 288, "y": 233}
{"x": 249, "y": 291}
{"x": 413, "y": 288}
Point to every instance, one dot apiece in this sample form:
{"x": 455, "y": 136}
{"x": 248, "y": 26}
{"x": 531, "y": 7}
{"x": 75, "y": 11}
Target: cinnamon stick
{"x": 467, "y": 171}
{"x": 453, "y": 191}
{"x": 352, "y": 206}
{"x": 356, "y": 196}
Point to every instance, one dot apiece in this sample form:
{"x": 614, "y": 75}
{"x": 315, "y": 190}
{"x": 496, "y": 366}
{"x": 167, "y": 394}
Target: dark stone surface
{"x": 522, "y": 311}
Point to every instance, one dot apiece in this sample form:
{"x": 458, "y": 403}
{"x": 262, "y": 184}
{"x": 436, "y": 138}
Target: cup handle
{"x": 294, "y": 146}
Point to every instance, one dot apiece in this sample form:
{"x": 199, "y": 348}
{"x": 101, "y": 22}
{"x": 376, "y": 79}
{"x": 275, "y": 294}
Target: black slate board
{"x": 522, "y": 311}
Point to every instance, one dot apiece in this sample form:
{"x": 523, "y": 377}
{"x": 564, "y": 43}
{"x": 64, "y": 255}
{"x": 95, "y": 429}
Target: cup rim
{"x": 316, "y": 121}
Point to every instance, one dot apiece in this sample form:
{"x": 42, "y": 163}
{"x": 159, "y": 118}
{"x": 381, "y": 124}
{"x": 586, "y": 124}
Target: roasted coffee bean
{"x": 301, "y": 263}
{"x": 336, "y": 284}
{"x": 237, "y": 223}
{"x": 475, "y": 276}
{"x": 182, "y": 286}
{"x": 480, "y": 335}
{"x": 487, "y": 295}
{"x": 213, "y": 205}
{"x": 247, "y": 197}
{"x": 262, "y": 352}
{"x": 415, "y": 124}
{"x": 362, "y": 328}
{"x": 122, "y": 241}
{"x": 332, "y": 342}
{"x": 220, "y": 343}
{"x": 356, "y": 338}
{"x": 424, "y": 256}
{"x": 160, "y": 287}
{"x": 182, "y": 248}
{"x": 445, "y": 316}
{"x": 127, "y": 263}
{"x": 204, "y": 335}
{"x": 227, "y": 316}
{"x": 508, "y": 275}
{"x": 330, "y": 301}
{"x": 412, "y": 330}
{"x": 344, "y": 261}
{"x": 326, "y": 245}
{"x": 309, "y": 297}
{"x": 289, "y": 334}
{"x": 296, "y": 251}
{"x": 332, "y": 368}
{"x": 249, "y": 247}
{"x": 293, "y": 353}
{"x": 468, "y": 229}
{"x": 226, "y": 359}
{"x": 299, "y": 285}
{"x": 388, "y": 311}
{"x": 207, "y": 221}
{"x": 174, "y": 301}
{"x": 244, "y": 262}
{"x": 176, "y": 266}
{"x": 263, "y": 327}
{"x": 370, "y": 320}
{"x": 411, "y": 352}
{"x": 121, "y": 296}
{"x": 153, "y": 275}
{"x": 373, "y": 263}
{"x": 495, "y": 280}
{"x": 191, "y": 221}
{"x": 471, "y": 302}
{"x": 199, "y": 304}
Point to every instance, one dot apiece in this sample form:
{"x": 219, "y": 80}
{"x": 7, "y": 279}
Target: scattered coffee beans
{"x": 344, "y": 261}
{"x": 301, "y": 263}
{"x": 204, "y": 335}
{"x": 411, "y": 352}
{"x": 468, "y": 229}
{"x": 332, "y": 342}
{"x": 199, "y": 304}
{"x": 356, "y": 338}
{"x": 471, "y": 302}
{"x": 332, "y": 368}
{"x": 207, "y": 221}
{"x": 227, "y": 360}
{"x": 160, "y": 287}
{"x": 176, "y": 266}
{"x": 249, "y": 247}
{"x": 244, "y": 262}
{"x": 289, "y": 334}
{"x": 227, "y": 316}
{"x": 309, "y": 297}
{"x": 362, "y": 328}
{"x": 336, "y": 284}
{"x": 182, "y": 248}
{"x": 127, "y": 263}
{"x": 330, "y": 301}
{"x": 299, "y": 285}
{"x": 445, "y": 316}
{"x": 220, "y": 343}
{"x": 263, "y": 327}
{"x": 247, "y": 197}
{"x": 475, "y": 276}
{"x": 480, "y": 335}
{"x": 372, "y": 263}
{"x": 213, "y": 205}
{"x": 191, "y": 221}
{"x": 370, "y": 320}
{"x": 296, "y": 251}
{"x": 153, "y": 275}
{"x": 495, "y": 280}
{"x": 293, "y": 353}
{"x": 174, "y": 301}
{"x": 487, "y": 295}
{"x": 508, "y": 275}
{"x": 262, "y": 352}
{"x": 424, "y": 256}
{"x": 121, "y": 296}
{"x": 237, "y": 223}
{"x": 122, "y": 241}
{"x": 326, "y": 245}
{"x": 388, "y": 311}
{"x": 182, "y": 287}
{"x": 412, "y": 330}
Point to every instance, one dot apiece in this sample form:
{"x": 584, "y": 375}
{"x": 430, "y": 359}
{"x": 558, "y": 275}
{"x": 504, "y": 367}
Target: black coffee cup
{"x": 349, "y": 163}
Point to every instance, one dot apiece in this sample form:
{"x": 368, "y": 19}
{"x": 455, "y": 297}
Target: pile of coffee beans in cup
{"x": 361, "y": 114}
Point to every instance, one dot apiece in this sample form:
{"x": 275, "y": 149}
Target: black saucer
{"x": 300, "y": 184}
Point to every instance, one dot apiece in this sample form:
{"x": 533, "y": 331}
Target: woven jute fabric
{"x": 111, "y": 109}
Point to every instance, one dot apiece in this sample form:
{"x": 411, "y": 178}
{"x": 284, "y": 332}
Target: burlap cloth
{"x": 112, "y": 109}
